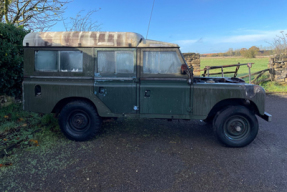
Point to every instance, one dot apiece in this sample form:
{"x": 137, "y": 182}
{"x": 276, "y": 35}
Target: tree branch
{"x": 82, "y": 23}
{"x": 6, "y": 4}
{"x": 35, "y": 15}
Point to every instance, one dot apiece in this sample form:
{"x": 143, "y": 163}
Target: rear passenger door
{"x": 114, "y": 79}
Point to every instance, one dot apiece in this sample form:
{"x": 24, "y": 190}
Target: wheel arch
{"x": 59, "y": 106}
{"x": 229, "y": 102}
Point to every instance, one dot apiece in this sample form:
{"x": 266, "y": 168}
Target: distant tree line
{"x": 252, "y": 52}
{"x": 277, "y": 46}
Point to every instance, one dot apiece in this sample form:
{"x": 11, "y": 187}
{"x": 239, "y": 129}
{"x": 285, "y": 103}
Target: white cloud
{"x": 243, "y": 38}
{"x": 255, "y": 37}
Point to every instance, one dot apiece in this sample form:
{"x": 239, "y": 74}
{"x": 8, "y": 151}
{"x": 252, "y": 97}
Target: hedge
{"x": 11, "y": 59}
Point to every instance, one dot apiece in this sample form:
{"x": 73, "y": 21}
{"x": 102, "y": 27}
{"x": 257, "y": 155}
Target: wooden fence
{"x": 206, "y": 72}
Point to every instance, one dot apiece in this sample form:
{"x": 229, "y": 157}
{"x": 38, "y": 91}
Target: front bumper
{"x": 266, "y": 116}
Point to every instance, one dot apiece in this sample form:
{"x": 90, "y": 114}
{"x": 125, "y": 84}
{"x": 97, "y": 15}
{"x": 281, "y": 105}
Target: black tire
{"x": 235, "y": 126}
{"x": 79, "y": 121}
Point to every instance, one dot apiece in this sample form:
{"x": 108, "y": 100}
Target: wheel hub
{"x": 236, "y": 127}
{"x": 78, "y": 121}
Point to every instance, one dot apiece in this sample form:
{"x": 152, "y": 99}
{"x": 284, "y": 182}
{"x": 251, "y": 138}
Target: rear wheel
{"x": 235, "y": 126}
{"x": 79, "y": 121}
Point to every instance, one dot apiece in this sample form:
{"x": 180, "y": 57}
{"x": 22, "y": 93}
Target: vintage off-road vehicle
{"x": 89, "y": 76}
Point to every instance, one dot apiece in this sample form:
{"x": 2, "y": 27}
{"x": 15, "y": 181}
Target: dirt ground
{"x": 157, "y": 155}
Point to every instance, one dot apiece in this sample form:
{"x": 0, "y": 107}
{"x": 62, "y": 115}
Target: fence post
{"x": 236, "y": 70}
{"x": 249, "y": 65}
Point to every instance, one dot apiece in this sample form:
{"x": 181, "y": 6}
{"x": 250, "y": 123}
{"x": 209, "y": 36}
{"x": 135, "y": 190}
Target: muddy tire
{"x": 79, "y": 121}
{"x": 235, "y": 126}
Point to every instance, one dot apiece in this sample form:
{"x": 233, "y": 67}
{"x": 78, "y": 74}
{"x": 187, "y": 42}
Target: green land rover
{"x": 86, "y": 77}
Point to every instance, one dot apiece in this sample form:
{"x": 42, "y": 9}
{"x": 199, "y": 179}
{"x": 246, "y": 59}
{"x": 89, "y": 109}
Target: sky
{"x": 201, "y": 26}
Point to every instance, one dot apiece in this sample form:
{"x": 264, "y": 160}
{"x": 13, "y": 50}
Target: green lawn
{"x": 260, "y": 64}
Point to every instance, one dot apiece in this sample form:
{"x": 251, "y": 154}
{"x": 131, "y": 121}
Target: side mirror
{"x": 184, "y": 68}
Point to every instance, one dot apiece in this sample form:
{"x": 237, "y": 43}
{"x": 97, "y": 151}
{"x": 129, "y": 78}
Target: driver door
{"x": 164, "y": 91}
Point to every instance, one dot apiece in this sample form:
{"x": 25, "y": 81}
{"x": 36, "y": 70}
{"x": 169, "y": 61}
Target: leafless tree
{"x": 82, "y": 23}
{"x": 279, "y": 43}
{"x": 2, "y": 5}
{"x": 35, "y": 15}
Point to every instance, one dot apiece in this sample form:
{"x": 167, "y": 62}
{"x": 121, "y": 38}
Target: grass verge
{"x": 274, "y": 87}
{"x": 22, "y": 131}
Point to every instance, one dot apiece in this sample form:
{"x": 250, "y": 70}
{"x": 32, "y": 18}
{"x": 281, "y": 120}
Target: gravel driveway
{"x": 158, "y": 155}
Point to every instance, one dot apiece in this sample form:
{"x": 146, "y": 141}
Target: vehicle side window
{"x": 116, "y": 62}
{"x": 71, "y": 61}
{"x": 46, "y": 61}
{"x": 161, "y": 62}
{"x": 63, "y": 61}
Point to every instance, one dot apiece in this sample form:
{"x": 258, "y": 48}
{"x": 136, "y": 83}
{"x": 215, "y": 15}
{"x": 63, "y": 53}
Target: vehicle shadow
{"x": 149, "y": 129}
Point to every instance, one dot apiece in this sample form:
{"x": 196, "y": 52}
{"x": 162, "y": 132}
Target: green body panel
{"x": 169, "y": 97}
{"x": 118, "y": 95}
{"x": 207, "y": 95}
{"x": 54, "y": 91}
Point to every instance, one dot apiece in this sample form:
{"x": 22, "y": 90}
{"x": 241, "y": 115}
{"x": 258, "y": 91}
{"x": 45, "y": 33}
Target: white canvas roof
{"x": 90, "y": 39}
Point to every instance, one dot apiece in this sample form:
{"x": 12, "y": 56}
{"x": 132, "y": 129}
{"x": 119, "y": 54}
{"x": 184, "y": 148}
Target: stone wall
{"x": 193, "y": 59}
{"x": 278, "y": 66}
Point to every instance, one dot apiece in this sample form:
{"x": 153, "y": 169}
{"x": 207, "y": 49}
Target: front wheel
{"x": 79, "y": 121}
{"x": 236, "y": 126}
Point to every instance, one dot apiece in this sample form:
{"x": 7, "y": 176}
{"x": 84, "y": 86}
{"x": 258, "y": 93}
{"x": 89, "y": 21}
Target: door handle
{"x": 147, "y": 93}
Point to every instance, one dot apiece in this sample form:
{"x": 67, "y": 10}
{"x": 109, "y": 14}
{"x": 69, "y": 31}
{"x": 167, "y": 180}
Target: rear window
{"x": 63, "y": 61}
{"x": 46, "y": 61}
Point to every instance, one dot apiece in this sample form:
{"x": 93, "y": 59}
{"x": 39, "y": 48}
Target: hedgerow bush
{"x": 11, "y": 59}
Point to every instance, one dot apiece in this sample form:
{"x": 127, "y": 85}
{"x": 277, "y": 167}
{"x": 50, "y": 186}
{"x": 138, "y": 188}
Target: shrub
{"x": 250, "y": 53}
{"x": 11, "y": 59}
